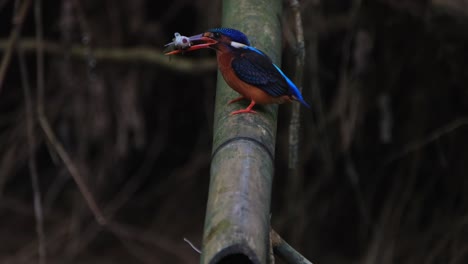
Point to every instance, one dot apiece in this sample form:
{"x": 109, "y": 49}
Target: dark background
{"x": 383, "y": 150}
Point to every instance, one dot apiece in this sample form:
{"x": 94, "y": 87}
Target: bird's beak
{"x": 196, "y": 42}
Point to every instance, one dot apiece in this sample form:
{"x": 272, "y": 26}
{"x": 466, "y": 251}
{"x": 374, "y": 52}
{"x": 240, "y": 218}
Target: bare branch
{"x": 18, "y": 23}
{"x": 285, "y": 251}
{"x": 58, "y": 147}
{"x": 30, "y": 135}
{"x": 137, "y": 54}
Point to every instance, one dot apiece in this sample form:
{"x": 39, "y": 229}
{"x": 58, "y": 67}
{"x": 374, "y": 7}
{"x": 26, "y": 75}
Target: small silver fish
{"x": 179, "y": 42}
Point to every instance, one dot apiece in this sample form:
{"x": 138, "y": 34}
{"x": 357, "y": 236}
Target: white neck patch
{"x": 237, "y": 44}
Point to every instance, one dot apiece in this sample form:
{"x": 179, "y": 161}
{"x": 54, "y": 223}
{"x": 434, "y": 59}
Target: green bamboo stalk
{"x": 237, "y": 218}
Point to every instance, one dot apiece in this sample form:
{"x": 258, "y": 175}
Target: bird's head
{"x": 213, "y": 38}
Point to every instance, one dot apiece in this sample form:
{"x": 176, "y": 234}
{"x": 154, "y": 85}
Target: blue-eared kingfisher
{"x": 247, "y": 70}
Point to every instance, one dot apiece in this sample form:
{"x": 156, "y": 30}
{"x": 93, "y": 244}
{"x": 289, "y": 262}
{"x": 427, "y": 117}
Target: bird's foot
{"x": 247, "y": 110}
{"x": 244, "y": 111}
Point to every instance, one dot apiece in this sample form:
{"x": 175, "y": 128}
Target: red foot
{"x": 236, "y": 100}
{"x": 243, "y": 111}
{"x": 247, "y": 110}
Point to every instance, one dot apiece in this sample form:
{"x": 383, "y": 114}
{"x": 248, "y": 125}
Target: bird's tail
{"x": 301, "y": 100}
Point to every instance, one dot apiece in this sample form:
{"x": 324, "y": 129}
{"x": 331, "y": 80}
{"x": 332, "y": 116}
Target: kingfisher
{"x": 247, "y": 70}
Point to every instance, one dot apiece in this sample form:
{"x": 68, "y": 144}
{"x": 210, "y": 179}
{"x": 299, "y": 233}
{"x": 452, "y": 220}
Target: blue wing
{"x": 255, "y": 68}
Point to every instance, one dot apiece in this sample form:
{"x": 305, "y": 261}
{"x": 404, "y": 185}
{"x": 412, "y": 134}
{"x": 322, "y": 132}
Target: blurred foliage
{"x": 383, "y": 152}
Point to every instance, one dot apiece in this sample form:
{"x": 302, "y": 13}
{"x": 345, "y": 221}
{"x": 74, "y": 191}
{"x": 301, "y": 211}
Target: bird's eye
{"x": 217, "y": 35}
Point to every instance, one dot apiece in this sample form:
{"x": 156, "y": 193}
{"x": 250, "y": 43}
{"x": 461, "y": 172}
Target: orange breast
{"x": 247, "y": 90}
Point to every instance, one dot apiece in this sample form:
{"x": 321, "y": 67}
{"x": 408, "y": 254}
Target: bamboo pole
{"x": 237, "y": 218}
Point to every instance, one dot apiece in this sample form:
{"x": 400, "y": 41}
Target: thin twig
{"x": 318, "y": 124}
{"x": 72, "y": 169}
{"x": 285, "y": 251}
{"x": 294, "y": 125}
{"x": 192, "y": 245}
{"x": 158, "y": 242}
{"x": 436, "y": 134}
{"x": 58, "y": 147}
{"x": 343, "y": 107}
{"x": 39, "y": 54}
{"x": 137, "y": 54}
{"x": 10, "y": 44}
{"x": 30, "y": 133}
{"x": 296, "y": 179}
